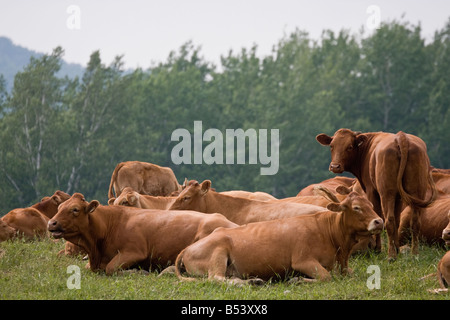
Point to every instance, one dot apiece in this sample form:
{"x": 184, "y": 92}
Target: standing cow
{"x": 391, "y": 168}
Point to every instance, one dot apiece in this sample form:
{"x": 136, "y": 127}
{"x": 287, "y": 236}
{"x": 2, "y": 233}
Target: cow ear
{"x": 131, "y": 198}
{"x": 360, "y": 139}
{"x": 111, "y": 201}
{"x": 343, "y": 190}
{"x": 205, "y": 186}
{"x": 92, "y": 206}
{"x": 324, "y": 139}
{"x": 57, "y": 200}
{"x": 336, "y": 207}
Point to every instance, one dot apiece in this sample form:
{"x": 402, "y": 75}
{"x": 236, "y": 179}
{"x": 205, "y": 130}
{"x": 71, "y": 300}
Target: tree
{"x": 26, "y": 125}
{"x": 393, "y": 70}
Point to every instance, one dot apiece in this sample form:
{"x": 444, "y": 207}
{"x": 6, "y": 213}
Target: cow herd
{"x": 153, "y": 222}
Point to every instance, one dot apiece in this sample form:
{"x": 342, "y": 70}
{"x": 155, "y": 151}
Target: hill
{"x": 14, "y": 58}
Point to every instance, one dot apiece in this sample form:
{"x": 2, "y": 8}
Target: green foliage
{"x": 57, "y": 133}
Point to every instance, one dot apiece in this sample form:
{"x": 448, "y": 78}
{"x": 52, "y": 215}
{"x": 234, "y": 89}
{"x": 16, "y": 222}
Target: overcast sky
{"x": 145, "y": 30}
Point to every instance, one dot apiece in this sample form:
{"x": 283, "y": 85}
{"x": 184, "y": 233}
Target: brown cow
{"x": 443, "y": 269}
{"x": 144, "y": 178}
{"x": 48, "y": 206}
{"x": 239, "y": 210}
{"x": 432, "y": 221}
{"x": 310, "y": 244}
{"x": 28, "y": 222}
{"x": 257, "y": 195}
{"x": 391, "y": 168}
{"x": 321, "y": 196}
{"x": 131, "y": 198}
{"x": 331, "y": 184}
{"x": 6, "y": 232}
{"x": 441, "y": 178}
{"x": 446, "y": 231}
{"x": 119, "y": 237}
{"x": 443, "y": 272}
{"x": 32, "y": 221}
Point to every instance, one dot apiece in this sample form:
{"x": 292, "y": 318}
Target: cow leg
{"x": 218, "y": 264}
{"x": 313, "y": 269}
{"x": 415, "y": 228}
{"x": 123, "y": 260}
{"x": 388, "y": 207}
{"x": 374, "y": 197}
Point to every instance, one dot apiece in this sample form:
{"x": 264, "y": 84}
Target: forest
{"x": 58, "y": 133}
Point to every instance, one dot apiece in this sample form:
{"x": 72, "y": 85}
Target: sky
{"x": 146, "y": 31}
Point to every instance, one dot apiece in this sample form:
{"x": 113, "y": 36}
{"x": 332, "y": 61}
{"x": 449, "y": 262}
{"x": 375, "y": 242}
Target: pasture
{"x": 33, "y": 271}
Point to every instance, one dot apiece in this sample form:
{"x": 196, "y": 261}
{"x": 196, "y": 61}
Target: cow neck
{"x": 100, "y": 223}
{"x": 340, "y": 236}
{"x": 229, "y": 206}
{"x": 44, "y": 208}
{"x": 360, "y": 167}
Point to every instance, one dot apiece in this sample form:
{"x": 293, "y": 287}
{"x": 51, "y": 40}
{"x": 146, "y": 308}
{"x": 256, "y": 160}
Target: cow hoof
{"x": 168, "y": 270}
{"x": 256, "y": 282}
{"x": 299, "y": 280}
{"x": 391, "y": 259}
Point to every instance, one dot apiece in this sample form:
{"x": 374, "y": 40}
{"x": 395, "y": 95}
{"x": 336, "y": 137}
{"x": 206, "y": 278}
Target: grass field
{"x": 32, "y": 270}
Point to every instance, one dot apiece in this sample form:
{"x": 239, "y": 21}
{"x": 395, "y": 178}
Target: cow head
{"x": 193, "y": 197}
{"x": 49, "y": 205}
{"x": 128, "y": 197}
{"x": 72, "y": 217}
{"x": 344, "y": 146}
{"x": 446, "y": 232}
{"x": 357, "y": 213}
{"x": 6, "y": 232}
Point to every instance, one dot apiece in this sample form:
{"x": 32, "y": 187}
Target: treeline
{"x": 69, "y": 134}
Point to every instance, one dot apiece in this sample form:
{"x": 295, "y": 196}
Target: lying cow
{"x": 309, "y": 244}
{"x": 257, "y": 195}
{"x": 432, "y": 221}
{"x": 28, "y": 222}
{"x": 131, "y": 198}
{"x": 331, "y": 184}
{"x": 6, "y": 232}
{"x": 443, "y": 268}
{"x": 442, "y": 179}
{"x": 119, "y": 237}
{"x": 238, "y": 210}
{"x": 443, "y": 271}
{"x": 31, "y": 222}
{"x": 48, "y": 206}
{"x": 144, "y": 178}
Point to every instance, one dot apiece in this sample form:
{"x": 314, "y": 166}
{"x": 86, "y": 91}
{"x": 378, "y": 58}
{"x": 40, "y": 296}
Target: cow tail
{"x": 113, "y": 180}
{"x": 403, "y": 144}
{"x": 179, "y": 267}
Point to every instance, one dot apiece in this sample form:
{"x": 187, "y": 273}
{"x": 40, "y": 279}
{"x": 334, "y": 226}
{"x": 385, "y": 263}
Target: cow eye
{"x": 357, "y": 208}
{"x": 75, "y": 212}
{"x": 186, "y": 198}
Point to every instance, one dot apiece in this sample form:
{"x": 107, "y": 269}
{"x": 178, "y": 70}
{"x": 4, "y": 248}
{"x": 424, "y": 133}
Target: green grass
{"x": 32, "y": 270}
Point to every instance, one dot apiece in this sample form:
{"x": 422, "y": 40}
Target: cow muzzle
{"x": 446, "y": 236}
{"x": 336, "y": 167}
{"x": 55, "y": 229}
{"x": 376, "y": 226}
